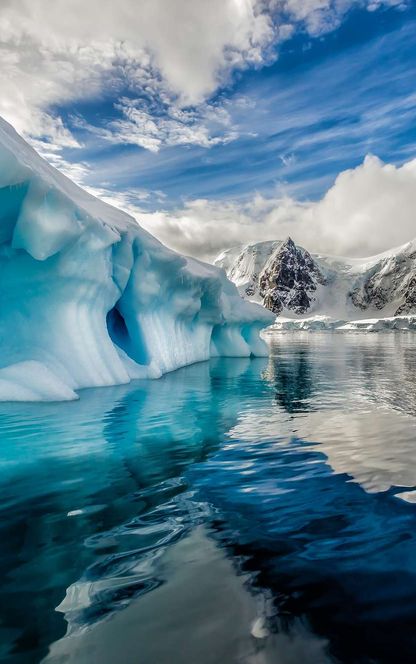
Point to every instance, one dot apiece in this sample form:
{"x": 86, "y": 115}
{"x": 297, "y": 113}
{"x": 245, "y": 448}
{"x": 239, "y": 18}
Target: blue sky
{"x": 319, "y": 109}
{"x": 274, "y": 113}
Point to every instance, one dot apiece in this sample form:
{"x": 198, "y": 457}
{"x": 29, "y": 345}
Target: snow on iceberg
{"x": 92, "y": 298}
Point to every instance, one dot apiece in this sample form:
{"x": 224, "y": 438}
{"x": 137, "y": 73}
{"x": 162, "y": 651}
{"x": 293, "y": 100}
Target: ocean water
{"x": 234, "y": 511}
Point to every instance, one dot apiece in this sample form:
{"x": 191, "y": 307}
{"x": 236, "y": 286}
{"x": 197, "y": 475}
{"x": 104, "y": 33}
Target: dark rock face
{"x": 408, "y": 306}
{"x": 370, "y": 294}
{"x": 289, "y": 279}
{"x": 250, "y": 290}
{"x": 392, "y": 280}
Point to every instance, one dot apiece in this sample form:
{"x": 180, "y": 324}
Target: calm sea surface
{"x": 235, "y": 511}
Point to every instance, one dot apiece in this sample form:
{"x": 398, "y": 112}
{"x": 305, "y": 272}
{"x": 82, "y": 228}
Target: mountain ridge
{"x": 289, "y": 280}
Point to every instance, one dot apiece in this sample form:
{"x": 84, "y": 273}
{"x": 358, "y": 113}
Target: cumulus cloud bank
{"x": 368, "y": 209}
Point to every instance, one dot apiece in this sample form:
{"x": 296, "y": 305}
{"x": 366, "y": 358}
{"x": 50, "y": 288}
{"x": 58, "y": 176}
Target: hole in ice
{"x": 119, "y": 334}
{"x": 11, "y": 201}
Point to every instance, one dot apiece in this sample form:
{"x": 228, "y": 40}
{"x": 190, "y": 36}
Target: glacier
{"x": 90, "y": 299}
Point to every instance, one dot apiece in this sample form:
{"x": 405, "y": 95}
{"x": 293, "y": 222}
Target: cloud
{"x": 368, "y": 209}
{"x": 321, "y": 16}
{"x": 53, "y": 53}
{"x": 177, "y": 52}
{"x": 169, "y": 125}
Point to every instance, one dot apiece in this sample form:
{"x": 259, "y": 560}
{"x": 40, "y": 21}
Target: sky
{"x": 221, "y": 122}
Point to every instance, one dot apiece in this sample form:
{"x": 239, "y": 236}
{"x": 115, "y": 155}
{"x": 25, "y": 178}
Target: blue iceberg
{"x": 88, "y": 298}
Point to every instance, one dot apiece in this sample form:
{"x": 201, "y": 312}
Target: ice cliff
{"x": 88, "y": 298}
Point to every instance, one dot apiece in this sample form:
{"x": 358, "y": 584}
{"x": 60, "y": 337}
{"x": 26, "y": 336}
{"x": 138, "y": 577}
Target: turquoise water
{"x": 232, "y": 511}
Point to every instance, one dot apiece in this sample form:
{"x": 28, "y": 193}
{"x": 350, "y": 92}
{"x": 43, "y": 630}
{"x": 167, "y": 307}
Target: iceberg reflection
{"x": 277, "y": 480}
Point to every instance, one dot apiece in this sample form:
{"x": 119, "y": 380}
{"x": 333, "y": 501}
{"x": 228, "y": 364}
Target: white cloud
{"x": 367, "y": 210}
{"x": 176, "y": 51}
{"x": 53, "y": 53}
{"x": 321, "y": 16}
{"x": 206, "y": 125}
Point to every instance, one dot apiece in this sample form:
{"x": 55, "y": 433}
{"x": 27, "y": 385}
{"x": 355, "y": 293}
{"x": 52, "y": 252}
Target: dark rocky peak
{"x": 289, "y": 244}
{"x": 288, "y": 279}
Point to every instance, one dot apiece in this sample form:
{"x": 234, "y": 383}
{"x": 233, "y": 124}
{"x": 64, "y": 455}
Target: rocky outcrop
{"x": 390, "y": 281}
{"x": 408, "y": 305}
{"x": 289, "y": 279}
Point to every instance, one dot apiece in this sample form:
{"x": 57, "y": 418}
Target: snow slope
{"x": 88, "y": 298}
{"x": 298, "y": 285}
{"x": 244, "y": 265}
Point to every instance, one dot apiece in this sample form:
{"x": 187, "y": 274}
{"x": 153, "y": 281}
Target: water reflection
{"x": 75, "y": 480}
{"x": 293, "y": 381}
{"x": 301, "y": 470}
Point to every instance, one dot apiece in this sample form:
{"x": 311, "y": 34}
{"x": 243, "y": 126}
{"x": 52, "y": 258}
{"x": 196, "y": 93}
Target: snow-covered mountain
{"x": 88, "y": 298}
{"x": 291, "y": 282}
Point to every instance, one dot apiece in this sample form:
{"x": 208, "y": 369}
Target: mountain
{"x": 88, "y": 298}
{"x": 292, "y": 282}
{"x": 289, "y": 279}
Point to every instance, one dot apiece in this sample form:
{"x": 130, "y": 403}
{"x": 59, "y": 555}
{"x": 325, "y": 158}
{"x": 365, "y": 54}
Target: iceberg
{"x": 91, "y": 299}
{"x": 32, "y": 381}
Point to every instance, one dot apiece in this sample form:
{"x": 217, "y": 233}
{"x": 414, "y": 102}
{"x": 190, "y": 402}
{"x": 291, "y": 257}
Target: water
{"x": 233, "y": 511}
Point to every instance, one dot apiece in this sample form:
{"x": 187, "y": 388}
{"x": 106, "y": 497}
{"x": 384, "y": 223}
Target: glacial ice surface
{"x": 89, "y": 298}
